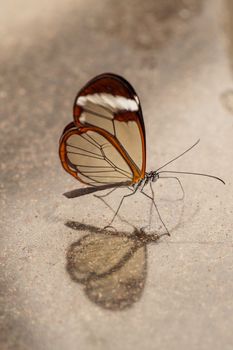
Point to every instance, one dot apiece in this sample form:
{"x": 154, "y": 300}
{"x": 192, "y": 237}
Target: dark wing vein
{"x": 100, "y": 171}
{"x": 114, "y": 128}
{"x": 83, "y": 149}
{"x": 86, "y": 155}
{"x": 92, "y": 143}
{"x": 108, "y": 177}
{"x": 95, "y": 166}
{"x": 90, "y": 178}
{"x": 93, "y": 140}
{"x": 115, "y": 166}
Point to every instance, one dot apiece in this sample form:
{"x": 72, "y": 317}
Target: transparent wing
{"x": 110, "y": 103}
{"x": 92, "y": 158}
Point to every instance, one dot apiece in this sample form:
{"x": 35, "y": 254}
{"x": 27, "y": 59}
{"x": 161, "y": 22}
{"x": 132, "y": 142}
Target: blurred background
{"x": 64, "y": 282}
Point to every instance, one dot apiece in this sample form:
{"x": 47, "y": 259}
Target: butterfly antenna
{"x": 190, "y": 173}
{"x": 180, "y": 155}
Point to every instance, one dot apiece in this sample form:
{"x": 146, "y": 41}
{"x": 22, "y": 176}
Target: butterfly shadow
{"x": 112, "y": 266}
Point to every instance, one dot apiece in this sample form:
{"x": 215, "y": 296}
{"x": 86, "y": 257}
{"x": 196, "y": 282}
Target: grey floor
{"x": 65, "y": 283}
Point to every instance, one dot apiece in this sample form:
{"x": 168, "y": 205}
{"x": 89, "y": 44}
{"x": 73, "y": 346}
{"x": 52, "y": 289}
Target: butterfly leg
{"x": 106, "y": 194}
{"x": 142, "y": 229}
{"x": 119, "y": 206}
{"x": 179, "y": 182}
{"x": 156, "y": 208}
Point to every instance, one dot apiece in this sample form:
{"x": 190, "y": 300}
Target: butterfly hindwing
{"x": 90, "y": 157}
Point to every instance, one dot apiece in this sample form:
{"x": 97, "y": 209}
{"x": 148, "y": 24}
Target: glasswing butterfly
{"x": 105, "y": 146}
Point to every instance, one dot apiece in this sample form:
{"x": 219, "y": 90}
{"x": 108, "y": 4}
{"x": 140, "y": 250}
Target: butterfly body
{"x": 152, "y": 176}
{"x": 105, "y": 145}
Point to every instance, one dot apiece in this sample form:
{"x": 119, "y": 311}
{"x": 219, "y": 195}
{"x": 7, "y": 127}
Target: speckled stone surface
{"x": 65, "y": 283}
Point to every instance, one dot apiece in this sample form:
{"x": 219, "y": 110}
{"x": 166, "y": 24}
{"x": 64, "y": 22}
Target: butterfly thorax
{"x": 152, "y": 176}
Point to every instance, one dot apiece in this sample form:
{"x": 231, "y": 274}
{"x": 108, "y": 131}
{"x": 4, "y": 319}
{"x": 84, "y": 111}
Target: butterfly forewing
{"x": 109, "y": 102}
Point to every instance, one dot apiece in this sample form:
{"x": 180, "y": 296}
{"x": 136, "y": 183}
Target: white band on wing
{"x": 115, "y": 103}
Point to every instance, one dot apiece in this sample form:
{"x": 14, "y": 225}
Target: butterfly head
{"x": 152, "y": 176}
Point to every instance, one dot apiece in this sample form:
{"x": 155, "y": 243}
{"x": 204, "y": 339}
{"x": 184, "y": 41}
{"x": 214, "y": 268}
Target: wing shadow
{"x": 112, "y": 266}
